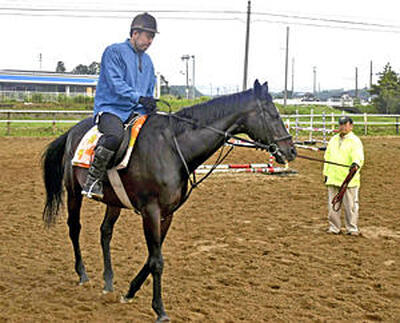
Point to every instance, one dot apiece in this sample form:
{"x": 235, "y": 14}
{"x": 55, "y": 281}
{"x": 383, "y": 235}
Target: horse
{"x": 169, "y": 148}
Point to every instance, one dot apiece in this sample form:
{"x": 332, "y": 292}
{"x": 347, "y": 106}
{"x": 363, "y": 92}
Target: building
{"x": 17, "y": 81}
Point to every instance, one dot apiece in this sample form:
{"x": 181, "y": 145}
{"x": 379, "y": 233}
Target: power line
{"x": 117, "y": 17}
{"x": 327, "y": 26}
{"x": 67, "y": 15}
{"x": 177, "y": 11}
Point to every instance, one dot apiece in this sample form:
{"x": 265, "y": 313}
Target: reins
{"x": 338, "y": 199}
{"x": 322, "y": 161}
{"x": 271, "y": 148}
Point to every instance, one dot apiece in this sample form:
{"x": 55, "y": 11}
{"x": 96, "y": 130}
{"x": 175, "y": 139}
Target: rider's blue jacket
{"x": 125, "y": 76}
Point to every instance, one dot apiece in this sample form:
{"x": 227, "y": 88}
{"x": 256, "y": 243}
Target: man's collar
{"x": 128, "y": 41}
{"x": 346, "y": 135}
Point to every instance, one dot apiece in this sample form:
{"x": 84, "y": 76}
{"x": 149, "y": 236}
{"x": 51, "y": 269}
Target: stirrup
{"x": 90, "y": 194}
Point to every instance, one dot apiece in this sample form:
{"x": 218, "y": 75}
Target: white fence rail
{"x": 24, "y": 96}
{"x": 310, "y": 121}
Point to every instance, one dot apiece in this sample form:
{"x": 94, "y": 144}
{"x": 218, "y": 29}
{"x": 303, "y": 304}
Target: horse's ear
{"x": 265, "y": 92}
{"x": 257, "y": 88}
{"x": 266, "y": 86}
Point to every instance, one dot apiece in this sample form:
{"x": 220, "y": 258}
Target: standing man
{"x": 344, "y": 148}
{"x": 125, "y": 86}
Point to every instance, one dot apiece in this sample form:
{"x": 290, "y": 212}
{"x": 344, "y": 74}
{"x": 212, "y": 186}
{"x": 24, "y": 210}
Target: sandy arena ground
{"x": 245, "y": 247}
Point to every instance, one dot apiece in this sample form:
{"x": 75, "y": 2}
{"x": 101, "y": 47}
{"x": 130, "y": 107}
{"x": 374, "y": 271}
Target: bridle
{"x": 271, "y": 148}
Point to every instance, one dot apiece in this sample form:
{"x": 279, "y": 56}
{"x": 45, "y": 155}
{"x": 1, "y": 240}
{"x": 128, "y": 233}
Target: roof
{"x": 15, "y": 76}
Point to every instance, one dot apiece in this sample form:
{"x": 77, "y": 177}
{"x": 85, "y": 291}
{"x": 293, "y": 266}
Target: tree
{"x": 80, "y": 69}
{"x": 60, "y": 67}
{"x": 94, "y": 68}
{"x": 387, "y": 92}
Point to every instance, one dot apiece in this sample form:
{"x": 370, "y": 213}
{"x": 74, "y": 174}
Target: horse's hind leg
{"x": 74, "y": 209}
{"x": 112, "y": 214}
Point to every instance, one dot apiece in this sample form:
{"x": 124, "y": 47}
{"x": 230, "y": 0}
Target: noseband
{"x": 273, "y": 148}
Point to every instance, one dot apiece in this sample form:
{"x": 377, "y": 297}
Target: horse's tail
{"x": 53, "y": 173}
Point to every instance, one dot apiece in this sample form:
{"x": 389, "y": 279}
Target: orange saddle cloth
{"x": 84, "y": 154}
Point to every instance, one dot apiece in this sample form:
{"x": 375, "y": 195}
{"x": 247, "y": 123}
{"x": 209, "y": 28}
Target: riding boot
{"x": 97, "y": 173}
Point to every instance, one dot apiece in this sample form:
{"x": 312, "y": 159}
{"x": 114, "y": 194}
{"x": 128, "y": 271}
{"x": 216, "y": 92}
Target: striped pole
{"x": 234, "y": 166}
{"x": 264, "y": 170}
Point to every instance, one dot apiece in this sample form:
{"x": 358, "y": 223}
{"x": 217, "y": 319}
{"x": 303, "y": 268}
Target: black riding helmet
{"x": 144, "y": 22}
{"x": 345, "y": 119}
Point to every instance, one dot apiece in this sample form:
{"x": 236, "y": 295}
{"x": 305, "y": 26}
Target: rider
{"x": 125, "y": 86}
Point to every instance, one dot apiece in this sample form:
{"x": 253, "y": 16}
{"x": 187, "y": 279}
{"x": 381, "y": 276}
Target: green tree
{"x": 80, "y": 69}
{"x": 94, "y": 68}
{"x": 387, "y": 92}
{"x": 60, "y": 67}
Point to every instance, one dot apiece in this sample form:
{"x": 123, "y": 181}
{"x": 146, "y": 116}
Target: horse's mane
{"x": 214, "y": 109}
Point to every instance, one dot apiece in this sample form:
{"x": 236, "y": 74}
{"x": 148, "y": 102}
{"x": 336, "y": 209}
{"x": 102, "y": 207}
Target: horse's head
{"x": 264, "y": 124}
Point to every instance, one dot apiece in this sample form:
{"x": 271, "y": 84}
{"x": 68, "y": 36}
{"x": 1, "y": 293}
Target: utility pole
{"x": 356, "y": 92}
{"x": 186, "y": 58}
{"x": 40, "y": 61}
{"x": 292, "y": 76}
{"x": 370, "y": 74}
{"x": 246, "y": 53}
{"x": 315, "y": 80}
{"x": 286, "y": 66}
{"x": 193, "y": 78}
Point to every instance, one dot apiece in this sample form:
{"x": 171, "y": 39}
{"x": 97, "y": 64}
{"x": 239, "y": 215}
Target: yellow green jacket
{"x": 346, "y": 150}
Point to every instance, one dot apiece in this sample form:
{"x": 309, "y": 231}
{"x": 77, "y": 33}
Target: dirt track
{"x": 245, "y": 247}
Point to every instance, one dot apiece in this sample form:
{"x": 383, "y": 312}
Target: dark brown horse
{"x": 156, "y": 178}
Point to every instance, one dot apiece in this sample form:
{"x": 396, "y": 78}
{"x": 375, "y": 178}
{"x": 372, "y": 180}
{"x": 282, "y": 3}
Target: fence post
{"x": 297, "y": 125}
{"x": 54, "y": 124}
{"x": 397, "y": 125}
{"x": 8, "y": 123}
{"x": 333, "y": 121}
{"x": 365, "y": 124}
{"x": 324, "y": 127}
{"x": 311, "y": 126}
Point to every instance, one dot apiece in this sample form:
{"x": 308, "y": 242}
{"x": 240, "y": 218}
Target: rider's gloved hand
{"x": 149, "y": 103}
{"x": 354, "y": 166}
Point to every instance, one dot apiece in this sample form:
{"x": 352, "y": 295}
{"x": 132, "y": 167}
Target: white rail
{"x": 328, "y": 121}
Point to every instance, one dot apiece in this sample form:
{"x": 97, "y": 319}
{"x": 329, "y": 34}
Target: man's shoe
{"x": 97, "y": 173}
{"x": 330, "y": 231}
{"x": 353, "y": 233}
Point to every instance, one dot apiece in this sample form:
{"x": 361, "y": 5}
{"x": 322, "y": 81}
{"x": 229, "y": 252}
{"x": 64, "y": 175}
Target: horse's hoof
{"x": 109, "y": 297}
{"x": 83, "y": 280}
{"x": 163, "y": 318}
{"x": 105, "y": 291}
{"x": 125, "y": 300}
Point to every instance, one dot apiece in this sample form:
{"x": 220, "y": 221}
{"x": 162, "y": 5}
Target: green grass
{"x": 47, "y": 129}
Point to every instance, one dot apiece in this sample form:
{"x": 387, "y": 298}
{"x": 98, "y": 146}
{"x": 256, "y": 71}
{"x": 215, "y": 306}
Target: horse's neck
{"x": 199, "y": 144}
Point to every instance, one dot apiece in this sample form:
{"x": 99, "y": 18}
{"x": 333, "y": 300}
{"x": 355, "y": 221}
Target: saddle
{"x": 84, "y": 154}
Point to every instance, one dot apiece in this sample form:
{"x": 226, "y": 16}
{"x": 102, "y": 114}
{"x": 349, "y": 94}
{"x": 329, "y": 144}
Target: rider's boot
{"x": 97, "y": 173}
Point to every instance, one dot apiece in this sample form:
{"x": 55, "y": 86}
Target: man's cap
{"x": 345, "y": 119}
{"x": 145, "y": 22}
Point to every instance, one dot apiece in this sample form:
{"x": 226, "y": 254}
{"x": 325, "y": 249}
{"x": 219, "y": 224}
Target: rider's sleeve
{"x": 150, "y": 90}
{"x": 111, "y": 63}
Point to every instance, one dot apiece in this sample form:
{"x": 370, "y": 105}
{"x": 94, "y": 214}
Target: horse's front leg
{"x": 111, "y": 216}
{"x": 154, "y": 234}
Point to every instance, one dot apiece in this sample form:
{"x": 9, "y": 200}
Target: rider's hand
{"x": 149, "y": 103}
{"x": 354, "y": 166}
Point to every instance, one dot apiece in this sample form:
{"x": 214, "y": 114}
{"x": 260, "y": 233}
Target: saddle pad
{"x": 84, "y": 154}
